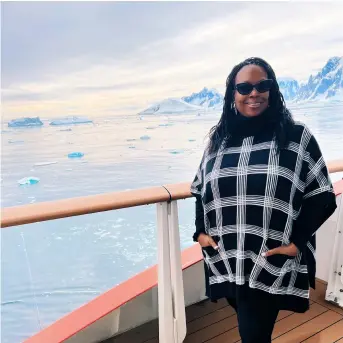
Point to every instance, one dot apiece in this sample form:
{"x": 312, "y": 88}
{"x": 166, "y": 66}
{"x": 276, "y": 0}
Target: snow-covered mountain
{"x": 289, "y": 88}
{"x": 207, "y": 98}
{"x": 326, "y": 84}
{"x": 171, "y": 105}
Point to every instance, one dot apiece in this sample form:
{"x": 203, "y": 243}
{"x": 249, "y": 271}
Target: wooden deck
{"x": 217, "y": 323}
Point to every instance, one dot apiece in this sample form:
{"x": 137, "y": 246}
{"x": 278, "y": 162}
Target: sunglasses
{"x": 246, "y": 88}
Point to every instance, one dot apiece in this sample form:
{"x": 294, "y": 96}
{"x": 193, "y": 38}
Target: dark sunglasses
{"x": 246, "y": 88}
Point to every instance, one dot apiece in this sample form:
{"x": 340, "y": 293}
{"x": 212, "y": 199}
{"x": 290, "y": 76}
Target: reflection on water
{"x": 73, "y": 260}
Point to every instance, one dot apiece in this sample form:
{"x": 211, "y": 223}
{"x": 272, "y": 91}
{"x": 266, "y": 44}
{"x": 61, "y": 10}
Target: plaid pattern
{"x": 252, "y": 195}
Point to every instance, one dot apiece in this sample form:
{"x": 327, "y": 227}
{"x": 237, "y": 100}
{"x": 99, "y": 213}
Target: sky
{"x": 114, "y": 58}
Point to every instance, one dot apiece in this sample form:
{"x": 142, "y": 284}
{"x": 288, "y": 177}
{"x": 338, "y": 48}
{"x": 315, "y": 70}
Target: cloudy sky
{"x": 93, "y": 58}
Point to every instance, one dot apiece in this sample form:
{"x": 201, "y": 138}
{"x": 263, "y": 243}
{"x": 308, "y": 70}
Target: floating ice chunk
{"x": 70, "y": 121}
{"x": 132, "y": 147}
{"x": 65, "y": 129}
{"x": 145, "y": 138}
{"x": 42, "y": 164}
{"x": 25, "y": 122}
{"x": 175, "y": 152}
{"x": 30, "y": 180}
{"x": 151, "y": 128}
{"x": 130, "y": 139}
{"x": 12, "y": 141}
{"x": 167, "y": 124}
{"x": 76, "y": 155}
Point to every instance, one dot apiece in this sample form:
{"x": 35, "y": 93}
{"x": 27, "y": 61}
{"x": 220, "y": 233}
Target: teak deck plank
{"x": 217, "y": 323}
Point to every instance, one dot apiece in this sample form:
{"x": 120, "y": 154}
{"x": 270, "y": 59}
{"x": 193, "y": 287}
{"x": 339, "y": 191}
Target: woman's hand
{"x": 206, "y": 241}
{"x": 290, "y": 250}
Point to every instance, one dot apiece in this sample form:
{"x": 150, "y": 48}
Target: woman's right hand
{"x": 207, "y": 241}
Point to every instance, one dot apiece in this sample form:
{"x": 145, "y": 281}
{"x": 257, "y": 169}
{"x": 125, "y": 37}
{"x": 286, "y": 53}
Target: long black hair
{"x": 283, "y": 117}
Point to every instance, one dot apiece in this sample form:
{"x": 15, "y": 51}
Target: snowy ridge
{"x": 206, "y": 98}
{"x": 171, "y": 105}
{"x": 289, "y": 88}
{"x": 325, "y": 85}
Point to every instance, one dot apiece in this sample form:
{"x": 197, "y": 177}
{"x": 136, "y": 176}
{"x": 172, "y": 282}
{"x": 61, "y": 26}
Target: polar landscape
{"x": 324, "y": 86}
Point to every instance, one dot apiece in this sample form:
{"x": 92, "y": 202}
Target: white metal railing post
{"x": 171, "y": 299}
{"x": 180, "y": 328}
{"x": 165, "y": 303}
{"x": 334, "y": 291}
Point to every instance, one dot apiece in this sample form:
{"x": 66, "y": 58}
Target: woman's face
{"x": 254, "y": 103}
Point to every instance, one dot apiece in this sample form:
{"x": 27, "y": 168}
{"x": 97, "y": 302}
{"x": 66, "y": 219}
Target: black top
{"x": 252, "y": 198}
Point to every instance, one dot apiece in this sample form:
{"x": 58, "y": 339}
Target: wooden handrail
{"x": 335, "y": 166}
{"x": 25, "y": 214}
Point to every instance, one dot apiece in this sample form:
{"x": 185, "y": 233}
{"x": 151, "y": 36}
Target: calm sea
{"x": 59, "y": 265}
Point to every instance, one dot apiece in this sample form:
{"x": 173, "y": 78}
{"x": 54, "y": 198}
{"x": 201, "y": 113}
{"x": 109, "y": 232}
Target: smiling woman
{"x": 262, "y": 191}
{"x": 252, "y": 90}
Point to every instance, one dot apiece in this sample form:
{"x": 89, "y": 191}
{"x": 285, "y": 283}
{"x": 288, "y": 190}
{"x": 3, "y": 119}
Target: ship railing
{"x": 171, "y": 302}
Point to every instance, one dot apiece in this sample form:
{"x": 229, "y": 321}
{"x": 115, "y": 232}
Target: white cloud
{"x": 203, "y": 55}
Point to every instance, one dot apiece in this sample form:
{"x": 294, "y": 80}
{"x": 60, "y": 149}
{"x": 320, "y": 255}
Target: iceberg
{"x": 145, "y": 138}
{"x": 12, "y": 141}
{"x": 76, "y": 155}
{"x": 30, "y": 180}
{"x": 70, "y": 121}
{"x": 175, "y": 152}
{"x": 25, "y": 122}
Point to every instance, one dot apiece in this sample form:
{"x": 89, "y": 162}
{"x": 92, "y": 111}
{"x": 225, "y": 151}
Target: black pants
{"x": 255, "y": 320}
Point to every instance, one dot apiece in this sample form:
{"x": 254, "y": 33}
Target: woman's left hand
{"x": 290, "y": 250}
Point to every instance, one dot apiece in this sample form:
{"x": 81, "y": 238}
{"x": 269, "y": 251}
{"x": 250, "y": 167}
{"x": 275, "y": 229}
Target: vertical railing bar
{"x": 332, "y": 291}
{"x": 165, "y": 305}
{"x": 176, "y": 274}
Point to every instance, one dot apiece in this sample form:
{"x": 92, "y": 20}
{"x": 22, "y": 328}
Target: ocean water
{"x": 51, "y": 268}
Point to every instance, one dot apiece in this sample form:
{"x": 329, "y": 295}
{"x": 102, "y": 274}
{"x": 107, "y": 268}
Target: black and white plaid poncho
{"x": 254, "y": 199}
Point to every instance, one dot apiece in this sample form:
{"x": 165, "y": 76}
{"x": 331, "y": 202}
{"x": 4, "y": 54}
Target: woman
{"x": 262, "y": 190}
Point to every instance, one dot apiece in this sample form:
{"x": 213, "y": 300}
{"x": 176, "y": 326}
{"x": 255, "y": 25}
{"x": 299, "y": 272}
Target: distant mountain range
{"x": 206, "y": 98}
{"x": 327, "y": 85}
